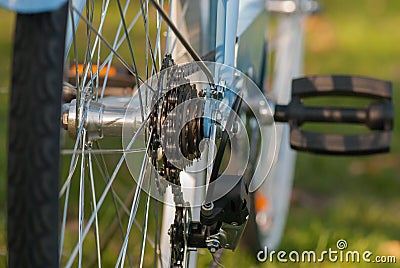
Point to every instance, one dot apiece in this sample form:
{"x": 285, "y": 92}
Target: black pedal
{"x": 378, "y": 116}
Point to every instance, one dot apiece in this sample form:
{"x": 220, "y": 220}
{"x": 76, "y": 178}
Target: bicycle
{"x": 91, "y": 118}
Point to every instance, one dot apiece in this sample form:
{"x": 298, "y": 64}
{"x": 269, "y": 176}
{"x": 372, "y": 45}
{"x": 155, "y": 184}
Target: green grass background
{"x": 356, "y": 198}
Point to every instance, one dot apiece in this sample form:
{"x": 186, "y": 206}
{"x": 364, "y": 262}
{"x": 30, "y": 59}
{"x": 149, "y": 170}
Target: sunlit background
{"x": 352, "y": 198}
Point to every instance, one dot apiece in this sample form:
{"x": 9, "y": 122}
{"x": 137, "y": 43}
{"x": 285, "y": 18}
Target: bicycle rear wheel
{"x": 104, "y": 216}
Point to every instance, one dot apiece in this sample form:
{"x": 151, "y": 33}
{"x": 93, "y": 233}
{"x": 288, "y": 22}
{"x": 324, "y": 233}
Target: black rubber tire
{"x": 34, "y": 139}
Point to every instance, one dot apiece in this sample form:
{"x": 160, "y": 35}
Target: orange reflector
{"x": 260, "y": 201}
{"x": 102, "y": 72}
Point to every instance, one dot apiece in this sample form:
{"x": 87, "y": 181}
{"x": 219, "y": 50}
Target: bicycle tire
{"x": 34, "y": 139}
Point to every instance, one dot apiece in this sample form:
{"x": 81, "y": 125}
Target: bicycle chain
{"x": 177, "y": 239}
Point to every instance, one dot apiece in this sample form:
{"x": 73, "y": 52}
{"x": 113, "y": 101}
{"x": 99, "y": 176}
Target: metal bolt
{"x": 207, "y": 209}
{"x": 235, "y": 127}
{"x": 65, "y": 120}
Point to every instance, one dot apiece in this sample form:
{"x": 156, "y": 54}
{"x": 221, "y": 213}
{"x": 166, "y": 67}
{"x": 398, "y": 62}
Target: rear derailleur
{"x": 222, "y": 220}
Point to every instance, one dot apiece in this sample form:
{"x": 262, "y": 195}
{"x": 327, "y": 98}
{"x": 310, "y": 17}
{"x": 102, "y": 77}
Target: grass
{"x": 6, "y": 22}
{"x": 335, "y": 198}
{"x": 351, "y": 198}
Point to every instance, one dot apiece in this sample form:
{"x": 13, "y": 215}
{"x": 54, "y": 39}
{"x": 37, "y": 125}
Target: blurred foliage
{"x": 355, "y": 198}
{"x": 334, "y": 198}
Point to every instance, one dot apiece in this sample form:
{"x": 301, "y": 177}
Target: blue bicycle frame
{"x": 237, "y": 23}
{"x": 29, "y": 6}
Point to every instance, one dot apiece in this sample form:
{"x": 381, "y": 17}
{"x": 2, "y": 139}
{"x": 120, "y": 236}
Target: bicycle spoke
{"x": 103, "y": 151}
{"x": 73, "y": 166}
{"x": 75, "y": 51}
{"x": 115, "y": 196}
{"x": 103, "y": 195}
{"x": 180, "y": 22}
{"x": 117, "y": 222}
{"x": 66, "y": 187}
{"x": 81, "y": 201}
{"x": 148, "y": 43}
{"x": 132, "y": 57}
{"x": 89, "y": 54}
{"x": 116, "y": 45}
{"x": 103, "y": 12}
{"x": 144, "y": 228}
{"x": 126, "y": 65}
{"x": 156, "y": 253}
{"x": 158, "y": 46}
{"x": 114, "y": 52}
{"x": 123, "y": 205}
{"x": 93, "y": 190}
{"x": 134, "y": 207}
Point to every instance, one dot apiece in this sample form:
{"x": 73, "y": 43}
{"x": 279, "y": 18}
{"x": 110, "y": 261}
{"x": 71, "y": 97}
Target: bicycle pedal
{"x": 378, "y": 116}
